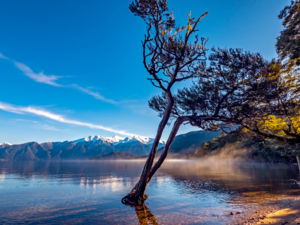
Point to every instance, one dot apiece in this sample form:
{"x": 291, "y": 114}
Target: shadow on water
{"x": 183, "y": 192}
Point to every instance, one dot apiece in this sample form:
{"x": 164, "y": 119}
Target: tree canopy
{"x": 237, "y": 87}
{"x": 288, "y": 43}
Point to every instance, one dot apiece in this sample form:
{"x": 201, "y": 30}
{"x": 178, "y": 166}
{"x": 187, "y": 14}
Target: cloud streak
{"x": 94, "y": 94}
{"x": 52, "y": 80}
{"x": 38, "y": 77}
{"x": 59, "y": 118}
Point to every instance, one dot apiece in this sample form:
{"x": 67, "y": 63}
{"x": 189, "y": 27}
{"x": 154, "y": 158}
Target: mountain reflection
{"x": 113, "y": 184}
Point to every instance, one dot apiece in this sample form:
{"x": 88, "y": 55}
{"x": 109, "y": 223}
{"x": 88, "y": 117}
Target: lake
{"x": 183, "y": 191}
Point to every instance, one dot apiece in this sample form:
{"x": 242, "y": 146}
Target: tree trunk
{"x": 298, "y": 161}
{"x": 136, "y": 197}
{"x": 170, "y": 140}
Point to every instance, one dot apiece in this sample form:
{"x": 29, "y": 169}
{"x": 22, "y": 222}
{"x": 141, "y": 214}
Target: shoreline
{"x": 281, "y": 210}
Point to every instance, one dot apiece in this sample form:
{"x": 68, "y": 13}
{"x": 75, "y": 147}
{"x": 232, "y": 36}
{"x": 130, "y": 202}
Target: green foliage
{"x": 288, "y": 43}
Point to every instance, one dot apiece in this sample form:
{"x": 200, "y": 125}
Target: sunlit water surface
{"x": 89, "y": 192}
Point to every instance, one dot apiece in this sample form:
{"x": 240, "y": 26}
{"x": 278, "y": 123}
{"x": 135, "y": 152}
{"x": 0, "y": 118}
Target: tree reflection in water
{"x": 144, "y": 215}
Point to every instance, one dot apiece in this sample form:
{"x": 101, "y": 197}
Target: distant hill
{"x": 189, "y": 142}
{"x": 248, "y": 145}
{"x": 97, "y": 147}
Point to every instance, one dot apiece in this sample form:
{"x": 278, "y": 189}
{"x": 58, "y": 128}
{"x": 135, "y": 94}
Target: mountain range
{"x": 98, "y": 147}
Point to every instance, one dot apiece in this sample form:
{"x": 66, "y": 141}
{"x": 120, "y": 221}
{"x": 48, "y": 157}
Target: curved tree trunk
{"x": 170, "y": 140}
{"x": 136, "y": 196}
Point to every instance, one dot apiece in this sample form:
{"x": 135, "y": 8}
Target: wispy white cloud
{"x": 59, "y": 118}
{"x": 52, "y": 80}
{"x": 38, "y": 77}
{"x": 95, "y": 94}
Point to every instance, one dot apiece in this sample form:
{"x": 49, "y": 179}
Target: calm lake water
{"x": 183, "y": 192}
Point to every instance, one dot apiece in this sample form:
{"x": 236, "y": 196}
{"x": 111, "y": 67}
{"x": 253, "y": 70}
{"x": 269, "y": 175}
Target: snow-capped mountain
{"x": 90, "y": 147}
{"x": 101, "y": 139}
{"x": 95, "y": 147}
{"x": 4, "y": 144}
{"x": 115, "y": 140}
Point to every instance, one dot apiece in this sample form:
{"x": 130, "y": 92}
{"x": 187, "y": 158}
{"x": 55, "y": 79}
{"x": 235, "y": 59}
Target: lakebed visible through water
{"x": 182, "y": 192}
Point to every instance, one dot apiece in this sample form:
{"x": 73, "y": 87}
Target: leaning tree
{"x": 171, "y": 54}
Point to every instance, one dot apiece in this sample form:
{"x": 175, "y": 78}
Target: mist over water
{"x": 201, "y": 191}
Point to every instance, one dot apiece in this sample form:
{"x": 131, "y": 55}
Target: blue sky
{"x": 71, "y": 68}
